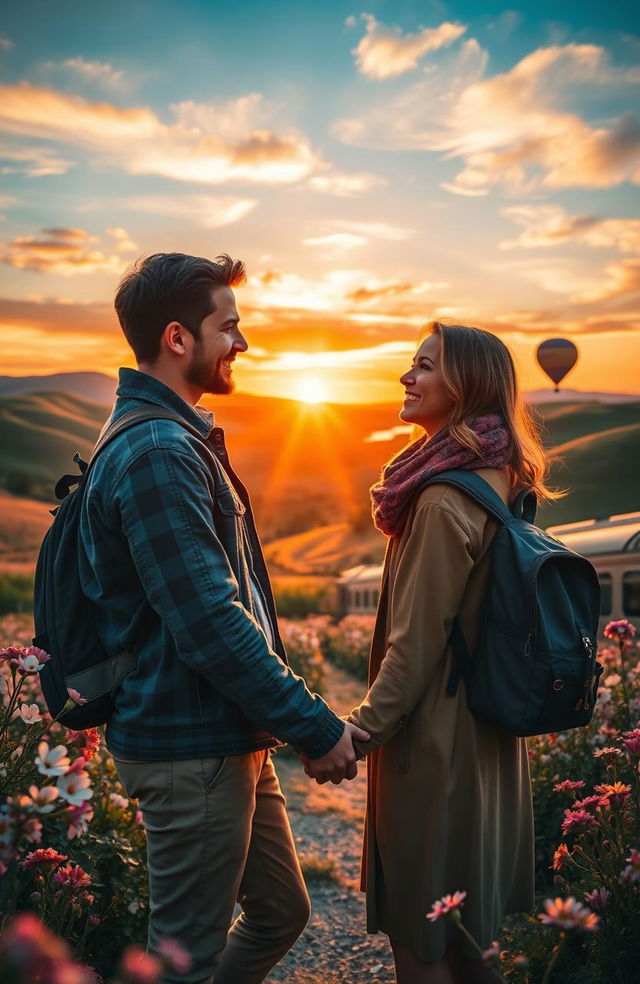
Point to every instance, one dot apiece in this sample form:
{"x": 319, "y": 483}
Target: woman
{"x": 449, "y": 801}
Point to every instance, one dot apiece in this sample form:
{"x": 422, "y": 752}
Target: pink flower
{"x": 621, "y": 630}
{"x": 118, "y": 801}
{"x": 445, "y": 905}
{"x": 32, "y": 830}
{"x": 568, "y": 914}
{"x": 77, "y": 766}
{"x": 597, "y": 899}
{"x": 52, "y": 761}
{"x": 75, "y": 788}
{"x": 30, "y": 713}
{"x": 576, "y": 820}
{"x": 588, "y": 803}
{"x": 632, "y": 871}
{"x": 76, "y": 697}
{"x": 631, "y": 741}
{"x": 613, "y": 680}
{"x": 140, "y": 967}
{"x": 72, "y": 877}
{"x": 79, "y": 819}
{"x": 42, "y": 856}
{"x": 176, "y": 956}
{"x": 568, "y": 786}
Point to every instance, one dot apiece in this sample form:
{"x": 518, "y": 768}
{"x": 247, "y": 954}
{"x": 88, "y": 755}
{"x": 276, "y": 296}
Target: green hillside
{"x": 567, "y": 421}
{"x": 601, "y": 473}
{"x": 39, "y": 434}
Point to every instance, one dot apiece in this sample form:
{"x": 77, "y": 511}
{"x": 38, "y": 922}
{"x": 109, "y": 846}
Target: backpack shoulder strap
{"x": 136, "y": 416}
{"x": 111, "y": 430}
{"x": 476, "y": 488}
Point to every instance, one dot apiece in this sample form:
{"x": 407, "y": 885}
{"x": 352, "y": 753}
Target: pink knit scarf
{"x": 391, "y": 497}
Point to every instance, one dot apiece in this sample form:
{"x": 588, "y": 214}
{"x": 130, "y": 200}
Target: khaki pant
{"x": 217, "y": 833}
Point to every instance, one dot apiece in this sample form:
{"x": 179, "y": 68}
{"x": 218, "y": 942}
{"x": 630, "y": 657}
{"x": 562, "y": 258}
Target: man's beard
{"x": 209, "y": 378}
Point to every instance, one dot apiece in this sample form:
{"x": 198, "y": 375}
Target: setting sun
{"x": 311, "y": 390}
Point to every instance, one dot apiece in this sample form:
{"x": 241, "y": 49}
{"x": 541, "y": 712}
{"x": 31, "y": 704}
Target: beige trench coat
{"x": 449, "y": 797}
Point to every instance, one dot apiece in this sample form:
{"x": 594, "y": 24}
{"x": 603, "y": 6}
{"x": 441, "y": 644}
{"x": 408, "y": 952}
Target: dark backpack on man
{"x": 64, "y": 618}
{"x": 534, "y": 670}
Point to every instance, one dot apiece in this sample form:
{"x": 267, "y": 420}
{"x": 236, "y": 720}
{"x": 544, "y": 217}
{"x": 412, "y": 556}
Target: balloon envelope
{"x": 556, "y": 357}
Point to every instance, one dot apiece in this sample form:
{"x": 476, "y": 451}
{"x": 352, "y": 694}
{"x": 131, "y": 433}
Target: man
{"x": 171, "y": 558}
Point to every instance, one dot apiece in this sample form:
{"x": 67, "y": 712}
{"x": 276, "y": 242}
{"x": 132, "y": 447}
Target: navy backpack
{"x": 534, "y": 670}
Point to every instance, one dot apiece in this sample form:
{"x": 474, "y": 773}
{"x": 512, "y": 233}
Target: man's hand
{"x": 340, "y": 762}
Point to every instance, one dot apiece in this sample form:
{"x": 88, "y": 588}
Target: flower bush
{"x": 347, "y": 644}
{"x": 72, "y": 846}
{"x": 303, "y": 643}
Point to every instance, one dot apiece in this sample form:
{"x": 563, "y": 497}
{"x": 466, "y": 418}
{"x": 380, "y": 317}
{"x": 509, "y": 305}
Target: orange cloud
{"x": 209, "y": 144}
{"x": 60, "y": 251}
{"x": 209, "y": 211}
{"x": 384, "y": 52}
{"x": 622, "y": 278}
{"x": 549, "y": 225}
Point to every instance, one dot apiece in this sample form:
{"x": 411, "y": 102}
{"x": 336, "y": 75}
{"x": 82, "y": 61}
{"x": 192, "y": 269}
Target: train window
{"x": 376, "y": 596}
{"x": 605, "y": 593}
{"x": 356, "y": 599}
{"x": 365, "y": 599}
{"x": 631, "y": 593}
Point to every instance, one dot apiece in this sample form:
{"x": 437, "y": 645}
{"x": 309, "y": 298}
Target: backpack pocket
{"x": 563, "y": 693}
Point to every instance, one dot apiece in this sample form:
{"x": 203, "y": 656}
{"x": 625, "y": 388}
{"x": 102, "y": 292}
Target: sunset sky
{"x": 375, "y": 166}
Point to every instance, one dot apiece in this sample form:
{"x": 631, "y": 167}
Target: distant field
{"x": 308, "y": 469}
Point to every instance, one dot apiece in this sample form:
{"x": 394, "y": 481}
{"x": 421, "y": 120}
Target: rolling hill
{"x": 308, "y": 468}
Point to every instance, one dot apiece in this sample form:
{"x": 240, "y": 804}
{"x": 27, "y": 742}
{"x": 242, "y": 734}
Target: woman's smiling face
{"x": 427, "y": 402}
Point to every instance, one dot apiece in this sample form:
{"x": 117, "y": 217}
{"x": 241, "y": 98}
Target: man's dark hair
{"x": 170, "y": 287}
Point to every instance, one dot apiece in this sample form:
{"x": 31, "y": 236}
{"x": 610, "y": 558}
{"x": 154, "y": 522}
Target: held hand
{"x": 340, "y": 762}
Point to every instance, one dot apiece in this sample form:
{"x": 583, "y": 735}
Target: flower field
{"x": 72, "y": 846}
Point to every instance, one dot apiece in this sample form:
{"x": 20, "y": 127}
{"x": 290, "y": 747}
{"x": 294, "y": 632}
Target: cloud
{"x": 206, "y": 143}
{"x": 550, "y": 225}
{"x": 375, "y": 230}
{"x": 6, "y": 44}
{"x": 88, "y": 71}
{"x": 349, "y": 235}
{"x": 64, "y": 251}
{"x": 209, "y": 211}
{"x": 388, "y": 435}
{"x": 384, "y": 52}
{"x": 622, "y": 279}
{"x": 345, "y": 185}
{"x": 337, "y": 243}
{"x": 513, "y": 129}
{"x": 122, "y": 240}
{"x": 374, "y": 293}
{"x": 39, "y": 161}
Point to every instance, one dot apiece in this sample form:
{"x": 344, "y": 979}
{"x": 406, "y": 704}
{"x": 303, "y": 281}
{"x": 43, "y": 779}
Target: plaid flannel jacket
{"x": 168, "y": 550}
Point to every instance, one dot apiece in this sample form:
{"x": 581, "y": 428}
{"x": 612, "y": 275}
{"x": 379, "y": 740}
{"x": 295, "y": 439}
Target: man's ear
{"x": 174, "y": 338}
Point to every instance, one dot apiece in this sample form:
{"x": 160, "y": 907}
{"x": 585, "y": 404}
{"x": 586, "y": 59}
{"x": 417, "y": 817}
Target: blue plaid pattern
{"x": 169, "y": 553}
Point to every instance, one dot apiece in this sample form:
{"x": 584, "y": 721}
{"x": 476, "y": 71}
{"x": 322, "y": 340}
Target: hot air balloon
{"x": 556, "y": 356}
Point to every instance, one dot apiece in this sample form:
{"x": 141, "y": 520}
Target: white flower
{"x": 30, "y": 713}
{"x": 52, "y": 761}
{"x": 75, "y": 788}
{"x": 29, "y": 664}
{"x": 44, "y": 799}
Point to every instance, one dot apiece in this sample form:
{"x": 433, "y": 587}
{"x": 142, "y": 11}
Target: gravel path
{"x": 327, "y": 826}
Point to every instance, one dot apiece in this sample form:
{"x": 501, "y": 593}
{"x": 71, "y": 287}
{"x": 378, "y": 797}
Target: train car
{"x": 612, "y": 545}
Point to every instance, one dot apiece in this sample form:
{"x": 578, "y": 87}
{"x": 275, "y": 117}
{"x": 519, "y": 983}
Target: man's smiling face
{"x": 220, "y": 340}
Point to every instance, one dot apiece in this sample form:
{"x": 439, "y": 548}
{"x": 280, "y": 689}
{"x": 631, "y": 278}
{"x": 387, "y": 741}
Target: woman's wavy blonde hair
{"x": 480, "y": 378}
